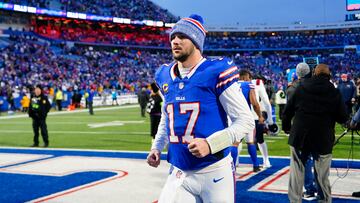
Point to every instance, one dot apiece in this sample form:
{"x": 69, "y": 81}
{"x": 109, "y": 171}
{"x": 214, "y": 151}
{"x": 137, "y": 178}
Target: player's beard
{"x": 184, "y": 54}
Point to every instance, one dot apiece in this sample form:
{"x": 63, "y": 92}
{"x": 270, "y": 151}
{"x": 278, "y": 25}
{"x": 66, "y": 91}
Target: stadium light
{"x": 20, "y": 8}
{"x": 31, "y": 9}
{"x": 169, "y": 24}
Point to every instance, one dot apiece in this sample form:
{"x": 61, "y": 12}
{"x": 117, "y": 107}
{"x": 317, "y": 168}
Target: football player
{"x": 199, "y": 94}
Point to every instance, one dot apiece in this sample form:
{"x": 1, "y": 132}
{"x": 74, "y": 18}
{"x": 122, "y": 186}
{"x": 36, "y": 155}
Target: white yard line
{"x": 70, "y": 112}
{"x": 135, "y": 152}
{"x": 66, "y": 122}
{"x": 78, "y": 132}
{"x": 81, "y": 150}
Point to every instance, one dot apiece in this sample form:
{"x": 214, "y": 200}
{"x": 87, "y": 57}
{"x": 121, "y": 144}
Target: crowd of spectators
{"x": 92, "y": 34}
{"x": 329, "y": 38}
{"x": 33, "y": 3}
{"x": 27, "y": 61}
{"x": 274, "y": 66}
{"x": 135, "y": 9}
{"x": 145, "y": 36}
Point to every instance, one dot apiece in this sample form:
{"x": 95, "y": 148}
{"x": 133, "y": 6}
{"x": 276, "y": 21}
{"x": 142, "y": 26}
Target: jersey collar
{"x": 173, "y": 74}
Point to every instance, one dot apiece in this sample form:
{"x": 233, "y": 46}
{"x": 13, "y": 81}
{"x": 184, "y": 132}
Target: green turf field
{"x": 72, "y": 131}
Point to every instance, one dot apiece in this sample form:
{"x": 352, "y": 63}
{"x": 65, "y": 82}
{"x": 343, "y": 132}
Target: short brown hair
{"x": 322, "y": 69}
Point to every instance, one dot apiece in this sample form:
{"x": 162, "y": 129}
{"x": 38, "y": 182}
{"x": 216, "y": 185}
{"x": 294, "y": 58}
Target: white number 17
{"x": 184, "y": 108}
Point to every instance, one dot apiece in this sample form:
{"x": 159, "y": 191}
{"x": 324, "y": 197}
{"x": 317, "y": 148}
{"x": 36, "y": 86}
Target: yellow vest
{"x": 25, "y": 102}
{"x": 59, "y": 95}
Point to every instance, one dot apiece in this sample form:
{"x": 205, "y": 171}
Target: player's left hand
{"x": 199, "y": 147}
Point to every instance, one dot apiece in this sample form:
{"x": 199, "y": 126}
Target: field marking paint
{"x": 85, "y": 191}
{"x": 286, "y": 171}
{"x": 50, "y": 122}
{"x": 113, "y": 123}
{"x": 70, "y": 112}
{"x": 72, "y": 165}
{"x": 275, "y": 137}
{"x": 76, "y": 189}
{"x": 279, "y": 175}
{"x": 79, "y": 132}
{"x": 76, "y": 150}
{"x": 16, "y": 158}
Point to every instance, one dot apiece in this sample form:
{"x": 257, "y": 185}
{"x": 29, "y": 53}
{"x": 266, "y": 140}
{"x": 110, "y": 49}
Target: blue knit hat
{"x": 193, "y": 28}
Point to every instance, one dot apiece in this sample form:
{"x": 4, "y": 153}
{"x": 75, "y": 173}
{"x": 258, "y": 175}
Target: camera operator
{"x": 316, "y": 105}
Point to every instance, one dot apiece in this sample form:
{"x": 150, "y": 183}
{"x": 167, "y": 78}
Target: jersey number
{"x": 194, "y": 108}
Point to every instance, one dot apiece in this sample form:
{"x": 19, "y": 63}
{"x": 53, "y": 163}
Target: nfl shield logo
{"x": 181, "y": 85}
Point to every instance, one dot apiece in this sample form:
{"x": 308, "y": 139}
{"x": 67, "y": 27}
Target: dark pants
{"x": 349, "y": 106}
{"x": 40, "y": 123}
{"x": 310, "y": 184}
{"x": 91, "y": 110}
{"x": 12, "y": 105}
{"x": 143, "y": 109}
{"x": 154, "y": 123}
{"x": 259, "y": 132}
{"x": 281, "y": 110}
{"x": 25, "y": 109}
{"x": 58, "y": 102}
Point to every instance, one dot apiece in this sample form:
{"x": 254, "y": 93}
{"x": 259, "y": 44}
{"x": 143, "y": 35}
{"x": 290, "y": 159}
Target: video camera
{"x": 349, "y": 127}
{"x": 311, "y": 61}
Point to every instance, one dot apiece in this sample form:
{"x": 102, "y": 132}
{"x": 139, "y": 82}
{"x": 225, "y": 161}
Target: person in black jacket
{"x": 143, "y": 98}
{"x": 39, "y": 108}
{"x": 347, "y": 90}
{"x": 315, "y": 106}
{"x": 154, "y": 109}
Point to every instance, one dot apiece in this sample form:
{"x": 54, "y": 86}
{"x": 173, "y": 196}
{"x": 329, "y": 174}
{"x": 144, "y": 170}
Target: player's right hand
{"x": 153, "y": 159}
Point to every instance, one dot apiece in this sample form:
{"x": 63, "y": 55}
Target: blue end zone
{"x": 25, "y": 187}
{"x": 242, "y": 187}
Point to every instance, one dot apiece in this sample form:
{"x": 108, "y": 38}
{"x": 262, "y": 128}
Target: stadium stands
{"x": 77, "y": 54}
{"x": 135, "y": 9}
{"x": 104, "y": 33}
{"x": 27, "y": 60}
{"x": 109, "y": 33}
{"x": 34, "y": 3}
{"x": 281, "y": 40}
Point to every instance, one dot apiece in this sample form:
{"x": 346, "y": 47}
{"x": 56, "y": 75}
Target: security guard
{"x": 39, "y": 107}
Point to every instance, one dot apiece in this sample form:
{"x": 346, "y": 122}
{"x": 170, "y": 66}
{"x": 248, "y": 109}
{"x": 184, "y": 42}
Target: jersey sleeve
{"x": 228, "y": 75}
{"x": 251, "y": 86}
{"x": 241, "y": 118}
{"x": 159, "y": 75}
{"x": 265, "y": 100}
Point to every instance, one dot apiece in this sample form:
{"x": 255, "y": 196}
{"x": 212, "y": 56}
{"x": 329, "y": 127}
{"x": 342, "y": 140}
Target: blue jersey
{"x": 246, "y": 86}
{"x": 193, "y": 109}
